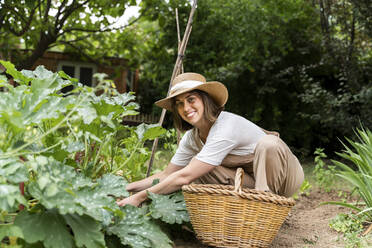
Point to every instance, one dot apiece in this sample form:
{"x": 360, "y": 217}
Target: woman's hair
{"x": 211, "y": 111}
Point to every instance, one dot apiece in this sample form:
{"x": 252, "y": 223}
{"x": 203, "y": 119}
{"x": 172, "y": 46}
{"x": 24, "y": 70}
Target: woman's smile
{"x": 190, "y": 107}
{"x": 191, "y": 114}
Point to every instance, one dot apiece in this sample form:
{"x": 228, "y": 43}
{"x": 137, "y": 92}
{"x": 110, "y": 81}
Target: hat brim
{"x": 216, "y": 90}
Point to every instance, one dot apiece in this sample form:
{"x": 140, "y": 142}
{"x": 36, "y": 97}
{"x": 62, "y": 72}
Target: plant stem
{"x": 96, "y": 160}
{"x": 129, "y": 158}
{"x": 11, "y": 153}
{"x": 6, "y": 224}
{"x": 86, "y": 158}
{"x": 38, "y": 152}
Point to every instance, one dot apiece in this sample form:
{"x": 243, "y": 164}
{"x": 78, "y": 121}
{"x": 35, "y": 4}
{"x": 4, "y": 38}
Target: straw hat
{"x": 190, "y": 81}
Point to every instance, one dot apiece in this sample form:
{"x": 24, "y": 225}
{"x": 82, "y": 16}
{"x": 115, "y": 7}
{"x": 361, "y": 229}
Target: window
{"x": 130, "y": 81}
{"x": 82, "y": 71}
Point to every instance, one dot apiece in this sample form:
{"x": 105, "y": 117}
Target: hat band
{"x": 188, "y": 84}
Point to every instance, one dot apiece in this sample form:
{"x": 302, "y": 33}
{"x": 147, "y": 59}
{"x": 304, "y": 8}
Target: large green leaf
{"x": 48, "y": 227}
{"x": 73, "y": 146}
{"x": 149, "y": 131}
{"x": 10, "y": 230}
{"x": 10, "y": 197}
{"x": 87, "y": 231}
{"x": 113, "y": 185}
{"x": 51, "y": 107}
{"x": 39, "y": 72}
{"x": 169, "y": 208}
{"x": 13, "y": 171}
{"x": 138, "y": 231}
{"x": 24, "y": 105}
{"x": 11, "y": 70}
{"x": 87, "y": 112}
{"x": 97, "y": 205}
{"x": 61, "y": 187}
{"x": 116, "y": 106}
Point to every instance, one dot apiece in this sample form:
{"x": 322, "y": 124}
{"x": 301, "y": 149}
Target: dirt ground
{"x": 306, "y": 226}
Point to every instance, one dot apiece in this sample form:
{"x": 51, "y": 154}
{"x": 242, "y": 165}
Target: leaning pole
{"x": 176, "y": 70}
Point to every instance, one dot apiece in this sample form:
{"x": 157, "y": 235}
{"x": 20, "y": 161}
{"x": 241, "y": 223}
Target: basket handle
{"x": 239, "y": 180}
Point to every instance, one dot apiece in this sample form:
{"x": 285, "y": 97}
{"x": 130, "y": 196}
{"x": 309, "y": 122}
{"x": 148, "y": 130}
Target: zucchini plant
{"x": 59, "y": 159}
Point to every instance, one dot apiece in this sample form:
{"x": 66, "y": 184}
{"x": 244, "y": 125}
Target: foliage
{"x": 83, "y": 27}
{"x": 346, "y": 223}
{"x": 364, "y": 9}
{"x": 314, "y": 54}
{"x": 325, "y": 175}
{"x": 169, "y": 208}
{"x": 351, "y": 227}
{"x": 304, "y": 189}
{"x": 337, "y": 90}
{"x": 359, "y": 153}
{"x": 361, "y": 177}
{"x": 171, "y": 140}
{"x": 65, "y": 150}
{"x": 138, "y": 230}
{"x": 270, "y": 51}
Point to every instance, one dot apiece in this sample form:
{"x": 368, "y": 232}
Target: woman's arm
{"x": 173, "y": 182}
{"x": 147, "y": 182}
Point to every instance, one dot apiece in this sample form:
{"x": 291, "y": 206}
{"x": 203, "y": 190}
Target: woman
{"x": 216, "y": 143}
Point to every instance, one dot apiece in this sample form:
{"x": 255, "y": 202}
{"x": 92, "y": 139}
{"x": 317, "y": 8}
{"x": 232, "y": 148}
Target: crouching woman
{"x": 216, "y": 143}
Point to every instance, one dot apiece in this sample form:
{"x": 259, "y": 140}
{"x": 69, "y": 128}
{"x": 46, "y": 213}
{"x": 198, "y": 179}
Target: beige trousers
{"x": 272, "y": 167}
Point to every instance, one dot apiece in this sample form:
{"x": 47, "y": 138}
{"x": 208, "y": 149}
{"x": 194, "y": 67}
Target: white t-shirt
{"x": 230, "y": 134}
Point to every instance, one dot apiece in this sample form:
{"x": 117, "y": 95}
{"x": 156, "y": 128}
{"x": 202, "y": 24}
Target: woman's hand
{"x": 131, "y": 187}
{"x": 133, "y": 200}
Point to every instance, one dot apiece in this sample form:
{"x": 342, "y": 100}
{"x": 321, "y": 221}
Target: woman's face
{"x": 190, "y": 107}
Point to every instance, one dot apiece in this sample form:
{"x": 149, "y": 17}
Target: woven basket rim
{"x": 246, "y": 193}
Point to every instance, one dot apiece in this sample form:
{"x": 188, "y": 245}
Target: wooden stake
{"x": 182, "y": 69}
{"x": 368, "y": 230}
{"x": 179, "y": 38}
{"x": 176, "y": 68}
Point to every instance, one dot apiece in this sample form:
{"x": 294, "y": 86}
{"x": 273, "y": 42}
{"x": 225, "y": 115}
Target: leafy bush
{"x": 324, "y": 174}
{"x": 351, "y": 227}
{"x": 359, "y": 153}
{"x": 304, "y": 189}
{"x": 59, "y": 154}
{"x": 361, "y": 177}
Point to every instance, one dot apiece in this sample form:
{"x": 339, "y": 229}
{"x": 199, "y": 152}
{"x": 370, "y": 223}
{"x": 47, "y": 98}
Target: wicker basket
{"x": 228, "y": 216}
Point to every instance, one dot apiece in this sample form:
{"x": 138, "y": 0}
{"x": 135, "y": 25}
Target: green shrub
{"x": 59, "y": 154}
{"x": 359, "y": 153}
{"x": 324, "y": 174}
{"x": 304, "y": 189}
{"x": 351, "y": 227}
{"x": 361, "y": 177}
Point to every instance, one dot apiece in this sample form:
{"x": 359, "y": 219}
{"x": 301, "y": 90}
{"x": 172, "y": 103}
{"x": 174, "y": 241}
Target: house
{"x": 116, "y": 68}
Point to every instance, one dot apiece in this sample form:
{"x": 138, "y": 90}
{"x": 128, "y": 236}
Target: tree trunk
{"x": 45, "y": 41}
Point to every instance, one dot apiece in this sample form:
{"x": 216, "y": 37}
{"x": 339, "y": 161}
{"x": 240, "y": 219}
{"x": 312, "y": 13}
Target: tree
{"x": 364, "y": 7}
{"x": 252, "y": 47}
{"x": 283, "y": 69}
{"x": 337, "y": 89}
{"x": 41, "y": 25}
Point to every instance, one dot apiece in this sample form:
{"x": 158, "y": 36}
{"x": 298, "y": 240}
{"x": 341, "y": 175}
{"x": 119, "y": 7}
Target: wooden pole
{"x": 179, "y": 38}
{"x": 182, "y": 69}
{"x": 176, "y": 68}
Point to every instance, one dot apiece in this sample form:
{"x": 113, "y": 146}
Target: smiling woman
{"x": 209, "y": 110}
{"x": 216, "y": 143}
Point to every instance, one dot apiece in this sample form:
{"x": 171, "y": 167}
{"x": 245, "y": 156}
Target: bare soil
{"x": 307, "y": 225}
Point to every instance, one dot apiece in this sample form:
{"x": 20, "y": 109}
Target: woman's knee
{"x": 269, "y": 144}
